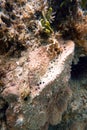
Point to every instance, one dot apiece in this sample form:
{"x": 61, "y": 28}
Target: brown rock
{"x": 37, "y": 91}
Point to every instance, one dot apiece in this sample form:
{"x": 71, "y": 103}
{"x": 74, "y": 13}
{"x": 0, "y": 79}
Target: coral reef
{"x": 36, "y": 89}
{"x": 21, "y": 22}
{"x": 16, "y": 25}
{"x": 43, "y": 57}
{"x": 71, "y": 21}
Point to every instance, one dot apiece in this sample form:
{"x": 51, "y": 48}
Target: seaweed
{"x": 46, "y": 20}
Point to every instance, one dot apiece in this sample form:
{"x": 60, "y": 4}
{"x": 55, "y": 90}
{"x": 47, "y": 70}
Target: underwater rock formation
{"x": 43, "y": 61}
{"x": 37, "y": 89}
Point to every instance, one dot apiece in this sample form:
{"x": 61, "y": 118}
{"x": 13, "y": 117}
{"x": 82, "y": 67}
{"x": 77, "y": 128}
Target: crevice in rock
{"x": 79, "y": 70}
{"x": 3, "y": 108}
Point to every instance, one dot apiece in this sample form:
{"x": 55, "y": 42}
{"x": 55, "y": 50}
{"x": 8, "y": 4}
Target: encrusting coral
{"x": 21, "y": 21}
{"x": 78, "y": 31}
{"x": 16, "y": 21}
{"x": 71, "y": 21}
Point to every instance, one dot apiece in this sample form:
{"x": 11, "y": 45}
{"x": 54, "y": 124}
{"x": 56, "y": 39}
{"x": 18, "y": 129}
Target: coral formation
{"x": 16, "y": 18}
{"x": 22, "y": 21}
{"x": 71, "y": 21}
{"x": 32, "y": 83}
{"x": 37, "y": 40}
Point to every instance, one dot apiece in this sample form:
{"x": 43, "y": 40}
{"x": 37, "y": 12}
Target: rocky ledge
{"x": 36, "y": 89}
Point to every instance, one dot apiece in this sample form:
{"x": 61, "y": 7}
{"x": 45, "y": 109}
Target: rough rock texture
{"x": 42, "y": 85}
{"x": 36, "y": 88}
{"x": 75, "y": 118}
{"x": 78, "y": 105}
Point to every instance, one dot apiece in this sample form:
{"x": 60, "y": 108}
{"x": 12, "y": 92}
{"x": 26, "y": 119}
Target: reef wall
{"x": 43, "y": 65}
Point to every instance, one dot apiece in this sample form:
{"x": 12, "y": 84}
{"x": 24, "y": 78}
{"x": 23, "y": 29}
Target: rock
{"x": 37, "y": 90}
{"x": 37, "y": 86}
{"x": 75, "y": 118}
